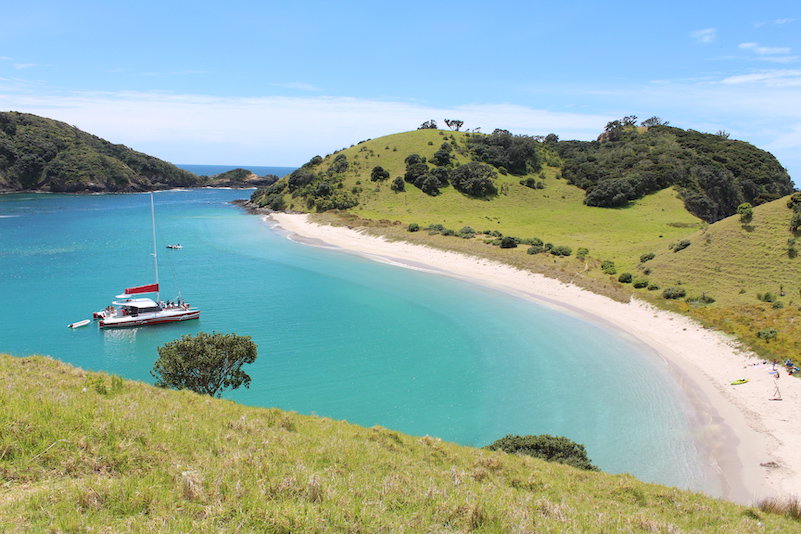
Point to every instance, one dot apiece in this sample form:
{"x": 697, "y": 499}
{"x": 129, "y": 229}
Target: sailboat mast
{"x": 155, "y": 256}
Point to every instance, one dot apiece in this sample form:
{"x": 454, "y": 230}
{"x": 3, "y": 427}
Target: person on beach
{"x": 777, "y": 395}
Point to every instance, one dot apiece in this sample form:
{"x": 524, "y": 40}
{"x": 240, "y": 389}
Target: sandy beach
{"x": 753, "y": 442}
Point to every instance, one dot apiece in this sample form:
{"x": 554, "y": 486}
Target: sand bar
{"x": 753, "y": 443}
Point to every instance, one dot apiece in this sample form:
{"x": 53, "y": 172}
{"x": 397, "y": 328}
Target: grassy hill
{"x": 726, "y": 261}
{"x": 40, "y": 154}
{"x": 85, "y": 451}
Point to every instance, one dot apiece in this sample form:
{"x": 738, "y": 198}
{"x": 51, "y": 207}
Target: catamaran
{"x": 134, "y": 310}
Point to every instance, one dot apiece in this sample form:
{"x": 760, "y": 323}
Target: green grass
{"x": 555, "y": 214}
{"x": 79, "y": 454}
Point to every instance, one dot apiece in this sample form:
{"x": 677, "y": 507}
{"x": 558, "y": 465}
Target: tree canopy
{"x": 205, "y": 363}
{"x": 714, "y": 174}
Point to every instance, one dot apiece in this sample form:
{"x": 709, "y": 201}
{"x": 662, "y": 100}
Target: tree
{"x": 746, "y": 212}
{"x": 205, "y": 363}
{"x": 428, "y": 125}
{"x": 654, "y": 121}
{"x": 398, "y": 185}
{"x": 379, "y": 174}
{"x": 474, "y": 179}
{"x": 454, "y": 124}
{"x": 547, "y": 447}
{"x": 611, "y": 193}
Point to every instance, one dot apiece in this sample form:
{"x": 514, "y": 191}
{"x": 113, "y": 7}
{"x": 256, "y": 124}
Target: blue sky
{"x": 269, "y": 83}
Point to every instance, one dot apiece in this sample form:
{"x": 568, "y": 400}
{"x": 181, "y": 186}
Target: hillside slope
{"x": 604, "y": 249}
{"x": 84, "y": 451}
{"x": 40, "y": 154}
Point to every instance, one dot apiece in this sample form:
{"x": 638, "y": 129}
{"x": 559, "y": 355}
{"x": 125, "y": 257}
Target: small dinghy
{"x": 177, "y": 246}
{"x": 78, "y": 324}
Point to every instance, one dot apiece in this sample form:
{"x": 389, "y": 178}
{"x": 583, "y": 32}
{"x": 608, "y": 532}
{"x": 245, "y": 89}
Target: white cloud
{"x": 779, "y": 22}
{"x": 274, "y": 130}
{"x": 770, "y": 54}
{"x": 764, "y": 50}
{"x": 21, "y": 66}
{"x": 707, "y": 35}
{"x": 775, "y": 78}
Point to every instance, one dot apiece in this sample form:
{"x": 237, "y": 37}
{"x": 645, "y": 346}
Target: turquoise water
{"x": 339, "y": 336}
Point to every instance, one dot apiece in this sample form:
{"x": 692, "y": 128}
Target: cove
{"x": 339, "y": 336}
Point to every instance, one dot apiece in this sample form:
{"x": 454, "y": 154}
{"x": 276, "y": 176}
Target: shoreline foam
{"x": 749, "y": 439}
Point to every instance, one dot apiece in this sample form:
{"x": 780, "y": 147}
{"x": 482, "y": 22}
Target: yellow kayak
{"x": 740, "y": 381}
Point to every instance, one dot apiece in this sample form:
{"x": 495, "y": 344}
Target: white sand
{"x": 742, "y": 429}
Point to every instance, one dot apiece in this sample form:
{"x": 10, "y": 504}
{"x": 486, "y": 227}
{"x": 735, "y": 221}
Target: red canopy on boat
{"x": 149, "y": 288}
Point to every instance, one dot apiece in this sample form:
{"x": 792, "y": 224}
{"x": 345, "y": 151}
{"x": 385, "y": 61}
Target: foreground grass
{"x": 79, "y": 452}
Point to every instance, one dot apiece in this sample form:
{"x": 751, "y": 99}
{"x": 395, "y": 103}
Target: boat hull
{"x": 145, "y": 319}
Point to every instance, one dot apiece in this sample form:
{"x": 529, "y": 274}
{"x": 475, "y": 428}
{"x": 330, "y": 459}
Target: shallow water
{"x": 339, "y": 336}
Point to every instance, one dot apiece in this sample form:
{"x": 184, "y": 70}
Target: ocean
{"x": 211, "y": 170}
{"x": 339, "y": 336}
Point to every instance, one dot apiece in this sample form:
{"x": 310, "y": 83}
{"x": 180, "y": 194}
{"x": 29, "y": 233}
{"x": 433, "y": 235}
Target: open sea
{"x": 339, "y": 335}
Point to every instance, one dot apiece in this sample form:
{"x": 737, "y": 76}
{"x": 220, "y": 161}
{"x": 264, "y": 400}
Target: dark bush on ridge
{"x": 624, "y": 278}
{"x": 547, "y": 447}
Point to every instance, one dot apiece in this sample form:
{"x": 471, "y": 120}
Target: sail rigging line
{"x": 170, "y": 265}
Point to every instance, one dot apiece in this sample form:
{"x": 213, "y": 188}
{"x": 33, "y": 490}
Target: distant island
{"x": 45, "y": 155}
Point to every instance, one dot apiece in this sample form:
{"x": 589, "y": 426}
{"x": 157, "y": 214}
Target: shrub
{"x": 398, "y": 184}
{"x": 703, "y": 299}
{"x": 582, "y": 252}
{"x": 681, "y": 245}
{"x": 608, "y": 267}
{"x": 561, "y": 250}
{"x": 653, "y": 287}
{"x": 611, "y": 193}
{"x": 551, "y": 448}
{"x": 778, "y": 305}
{"x": 674, "y": 293}
{"x": 746, "y": 212}
{"x": 413, "y": 227}
{"x": 379, "y": 174}
{"x": 795, "y": 221}
{"x": 474, "y": 179}
{"x": 639, "y": 283}
{"x": 766, "y": 297}
{"x": 647, "y": 257}
{"x": 767, "y": 334}
{"x": 466, "y": 232}
{"x": 508, "y": 242}
{"x": 624, "y": 278}
{"x": 536, "y": 249}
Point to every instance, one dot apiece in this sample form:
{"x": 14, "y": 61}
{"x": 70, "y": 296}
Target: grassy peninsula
{"x": 85, "y": 451}
{"x": 648, "y": 211}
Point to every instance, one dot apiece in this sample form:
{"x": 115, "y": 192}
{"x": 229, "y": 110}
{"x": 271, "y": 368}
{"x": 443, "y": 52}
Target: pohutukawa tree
{"x": 205, "y": 363}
